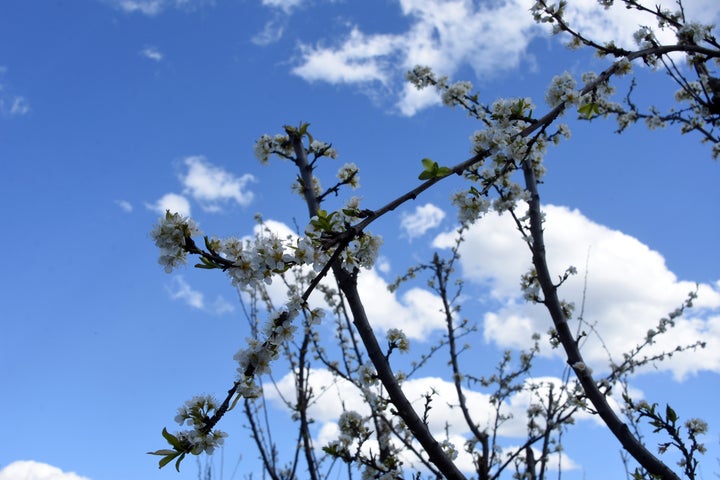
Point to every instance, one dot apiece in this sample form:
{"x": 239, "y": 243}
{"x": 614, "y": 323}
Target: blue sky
{"x": 112, "y": 110}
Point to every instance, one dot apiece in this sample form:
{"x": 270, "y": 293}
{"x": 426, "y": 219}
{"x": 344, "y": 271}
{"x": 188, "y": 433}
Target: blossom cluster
{"x": 471, "y": 205}
{"x": 280, "y": 145}
{"x": 255, "y": 359}
{"x": 325, "y": 228}
{"x": 397, "y": 339}
{"x": 451, "y": 95}
{"x": 195, "y": 413}
{"x": 348, "y": 174}
{"x": 169, "y": 236}
{"x": 562, "y": 90}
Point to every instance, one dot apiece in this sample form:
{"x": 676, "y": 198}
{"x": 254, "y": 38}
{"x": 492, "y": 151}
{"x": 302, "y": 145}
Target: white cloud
{"x": 152, "y": 53}
{"x": 383, "y": 264}
{"x": 271, "y": 33}
{"x": 629, "y": 289}
{"x": 212, "y": 186}
{"x": 423, "y": 219}
{"x": 19, "y": 106}
{"x": 417, "y": 312}
{"x": 31, "y": 470}
{"x": 285, "y": 5}
{"x": 442, "y": 34}
{"x": 181, "y": 290}
{"x": 619, "y": 23}
{"x": 489, "y": 37}
{"x": 173, "y": 202}
{"x": 148, "y": 7}
{"x": 124, "y": 205}
{"x": 154, "y": 7}
{"x": 360, "y": 59}
{"x": 11, "y": 104}
{"x": 334, "y": 394}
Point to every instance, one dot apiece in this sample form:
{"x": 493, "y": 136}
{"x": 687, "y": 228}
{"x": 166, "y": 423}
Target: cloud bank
{"x": 629, "y": 289}
{"x": 31, "y": 470}
{"x": 490, "y": 37}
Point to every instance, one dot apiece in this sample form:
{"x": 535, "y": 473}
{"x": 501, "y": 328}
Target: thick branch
{"x": 348, "y": 285}
{"x": 574, "y": 358}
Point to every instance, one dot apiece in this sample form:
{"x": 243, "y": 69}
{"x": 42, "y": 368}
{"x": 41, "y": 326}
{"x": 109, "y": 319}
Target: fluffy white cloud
{"x": 333, "y": 395}
{"x": 629, "y": 288}
{"x": 417, "y": 312}
{"x": 359, "y": 59}
{"x": 443, "y": 34}
{"x": 179, "y": 289}
{"x": 489, "y": 37}
{"x": 152, "y": 53}
{"x": 619, "y": 23}
{"x": 211, "y": 185}
{"x": 31, "y": 470}
{"x": 173, "y": 202}
{"x": 423, "y": 219}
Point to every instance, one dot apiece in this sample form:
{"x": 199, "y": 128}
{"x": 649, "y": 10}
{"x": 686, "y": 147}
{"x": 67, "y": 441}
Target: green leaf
{"x": 426, "y": 175}
{"x": 171, "y": 439}
{"x": 206, "y": 267}
{"x": 430, "y": 169}
{"x": 303, "y": 128}
{"x": 443, "y": 172}
{"x": 168, "y": 456}
{"x": 428, "y": 164}
{"x": 207, "y": 264}
{"x": 163, "y": 452}
{"x": 433, "y": 170}
{"x": 670, "y": 414}
{"x": 177, "y": 464}
{"x": 589, "y": 109}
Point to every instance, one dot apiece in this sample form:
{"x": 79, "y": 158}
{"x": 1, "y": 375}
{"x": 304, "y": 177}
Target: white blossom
{"x": 455, "y": 93}
{"x": 562, "y": 89}
{"x": 349, "y": 173}
{"x": 169, "y": 236}
{"x": 421, "y": 76}
{"x": 398, "y": 338}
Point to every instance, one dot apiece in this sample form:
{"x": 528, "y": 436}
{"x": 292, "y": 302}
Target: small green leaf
{"x": 207, "y": 264}
{"x": 166, "y": 460}
{"x": 177, "y": 464}
{"x": 428, "y": 164}
{"x": 443, "y": 172}
{"x": 670, "y": 414}
{"x": 171, "y": 439}
{"x": 163, "y": 452}
{"x": 433, "y": 170}
{"x": 589, "y": 109}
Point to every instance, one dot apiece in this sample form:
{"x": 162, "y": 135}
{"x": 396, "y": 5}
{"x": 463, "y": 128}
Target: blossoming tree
{"x": 503, "y": 175}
